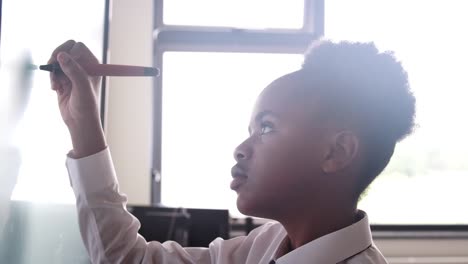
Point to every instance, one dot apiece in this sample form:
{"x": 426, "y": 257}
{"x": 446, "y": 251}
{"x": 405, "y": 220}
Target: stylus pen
{"x": 107, "y": 69}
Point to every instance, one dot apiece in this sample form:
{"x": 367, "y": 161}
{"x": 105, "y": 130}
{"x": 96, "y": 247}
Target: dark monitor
{"x": 204, "y": 225}
{"x": 163, "y": 224}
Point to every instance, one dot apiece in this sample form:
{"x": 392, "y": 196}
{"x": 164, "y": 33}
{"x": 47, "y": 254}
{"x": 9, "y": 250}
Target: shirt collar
{"x": 334, "y": 247}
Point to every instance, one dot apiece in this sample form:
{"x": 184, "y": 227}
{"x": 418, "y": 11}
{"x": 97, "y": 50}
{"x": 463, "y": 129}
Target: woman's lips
{"x": 237, "y": 182}
{"x": 239, "y": 177}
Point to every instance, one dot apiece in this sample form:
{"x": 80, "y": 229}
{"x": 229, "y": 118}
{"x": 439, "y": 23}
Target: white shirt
{"x": 110, "y": 232}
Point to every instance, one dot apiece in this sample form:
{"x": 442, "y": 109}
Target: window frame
{"x": 169, "y": 38}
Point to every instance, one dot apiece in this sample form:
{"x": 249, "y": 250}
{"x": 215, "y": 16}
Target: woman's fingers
{"x": 82, "y": 54}
{"x": 59, "y": 81}
{"x": 72, "y": 69}
{"x": 64, "y": 47}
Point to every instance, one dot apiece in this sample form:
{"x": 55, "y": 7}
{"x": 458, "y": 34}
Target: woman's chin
{"x": 244, "y": 206}
{"x": 248, "y": 206}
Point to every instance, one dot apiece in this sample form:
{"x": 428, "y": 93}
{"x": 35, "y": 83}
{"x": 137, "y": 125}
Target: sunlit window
{"x": 206, "y": 112}
{"x": 257, "y": 14}
{"x": 425, "y": 183}
{"x": 206, "y": 107}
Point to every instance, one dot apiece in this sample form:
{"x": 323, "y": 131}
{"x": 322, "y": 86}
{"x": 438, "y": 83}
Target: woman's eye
{"x": 266, "y": 128}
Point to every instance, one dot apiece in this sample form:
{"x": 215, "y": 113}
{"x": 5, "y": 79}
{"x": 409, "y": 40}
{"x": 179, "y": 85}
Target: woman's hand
{"x": 78, "y": 97}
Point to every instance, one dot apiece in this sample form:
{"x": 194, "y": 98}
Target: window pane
{"x": 206, "y": 111}
{"x": 249, "y": 14}
{"x": 425, "y": 182}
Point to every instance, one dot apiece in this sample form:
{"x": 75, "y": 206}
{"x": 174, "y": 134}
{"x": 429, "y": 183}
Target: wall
{"x": 429, "y": 250}
{"x": 128, "y": 119}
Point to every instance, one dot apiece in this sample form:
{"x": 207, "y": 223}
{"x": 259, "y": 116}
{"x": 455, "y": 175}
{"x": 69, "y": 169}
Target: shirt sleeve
{"x": 109, "y": 231}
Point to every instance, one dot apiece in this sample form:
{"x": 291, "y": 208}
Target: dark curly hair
{"x": 358, "y": 84}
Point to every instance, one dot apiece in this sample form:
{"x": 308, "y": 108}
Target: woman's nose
{"x": 242, "y": 152}
{"x": 239, "y": 155}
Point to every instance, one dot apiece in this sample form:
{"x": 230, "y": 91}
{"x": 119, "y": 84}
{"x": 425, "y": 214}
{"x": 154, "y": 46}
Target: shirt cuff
{"x": 92, "y": 173}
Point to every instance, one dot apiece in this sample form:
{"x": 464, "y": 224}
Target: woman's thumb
{"x": 71, "y": 68}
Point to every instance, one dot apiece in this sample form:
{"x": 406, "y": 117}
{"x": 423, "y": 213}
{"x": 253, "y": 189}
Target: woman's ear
{"x": 341, "y": 152}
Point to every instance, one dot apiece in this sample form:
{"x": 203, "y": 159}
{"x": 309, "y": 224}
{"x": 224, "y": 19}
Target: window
{"x": 257, "y": 14}
{"x": 205, "y": 116}
{"x": 425, "y": 182}
{"x": 210, "y": 79}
